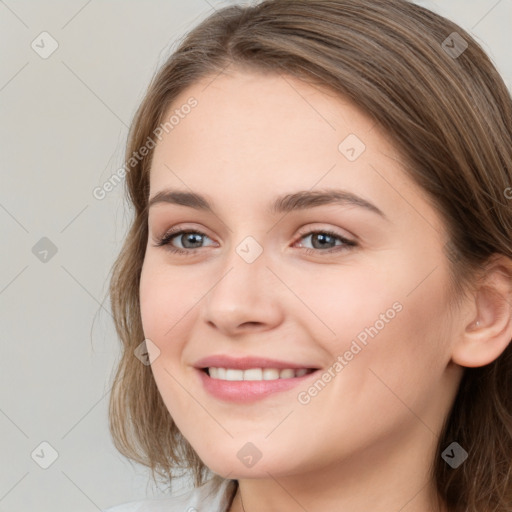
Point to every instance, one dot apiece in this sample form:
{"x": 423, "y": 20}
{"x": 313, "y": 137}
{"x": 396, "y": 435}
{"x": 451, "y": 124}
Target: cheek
{"x": 399, "y": 362}
{"x": 165, "y": 299}
{"x": 380, "y": 317}
{"x": 164, "y": 302}
{"x": 344, "y": 302}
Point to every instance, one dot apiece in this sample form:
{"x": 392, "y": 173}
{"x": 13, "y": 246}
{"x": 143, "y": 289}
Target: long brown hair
{"x": 448, "y": 113}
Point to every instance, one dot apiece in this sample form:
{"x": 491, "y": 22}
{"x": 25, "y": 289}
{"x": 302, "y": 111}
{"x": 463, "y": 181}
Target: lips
{"x": 254, "y": 389}
{"x": 248, "y": 362}
{"x": 233, "y": 374}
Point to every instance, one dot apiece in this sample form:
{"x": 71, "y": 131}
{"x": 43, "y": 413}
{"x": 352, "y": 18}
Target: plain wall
{"x": 64, "y": 121}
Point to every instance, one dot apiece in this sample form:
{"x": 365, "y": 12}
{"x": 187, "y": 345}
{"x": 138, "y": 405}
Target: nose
{"x": 245, "y": 297}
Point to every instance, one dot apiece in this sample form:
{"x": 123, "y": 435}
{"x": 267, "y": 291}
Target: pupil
{"x": 190, "y": 238}
{"x": 322, "y": 238}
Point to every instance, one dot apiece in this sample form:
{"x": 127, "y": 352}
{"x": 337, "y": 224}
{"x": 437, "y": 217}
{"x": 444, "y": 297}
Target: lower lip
{"x": 248, "y": 390}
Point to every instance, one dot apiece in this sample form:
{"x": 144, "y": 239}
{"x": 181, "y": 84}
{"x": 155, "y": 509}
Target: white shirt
{"x": 212, "y": 496}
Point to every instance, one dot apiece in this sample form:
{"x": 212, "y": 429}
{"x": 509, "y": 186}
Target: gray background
{"x": 64, "y": 125}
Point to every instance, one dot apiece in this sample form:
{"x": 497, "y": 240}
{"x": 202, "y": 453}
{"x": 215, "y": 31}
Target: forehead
{"x": 246, "y": 120}
{"x": 248, "y": 108}
{"x": 252, "y": 133}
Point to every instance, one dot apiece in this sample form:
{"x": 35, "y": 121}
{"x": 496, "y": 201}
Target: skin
{"x": 365, "y": 442}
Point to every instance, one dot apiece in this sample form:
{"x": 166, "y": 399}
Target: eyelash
{"x": 169, "y": 235}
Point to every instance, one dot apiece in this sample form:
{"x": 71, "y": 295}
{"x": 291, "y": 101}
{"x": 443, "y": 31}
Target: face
{"x": 344, "y": 298}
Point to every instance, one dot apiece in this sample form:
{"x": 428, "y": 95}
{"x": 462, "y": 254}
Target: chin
{"x": 245, "y": 460}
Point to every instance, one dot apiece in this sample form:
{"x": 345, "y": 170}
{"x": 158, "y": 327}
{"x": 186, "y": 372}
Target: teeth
{"x": 255, "y": 373}
{"x": 234, "y": 374}
{"x": 270, "y": 374}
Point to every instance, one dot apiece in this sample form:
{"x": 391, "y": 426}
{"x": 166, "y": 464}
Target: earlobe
{"x": 489, "y": 333}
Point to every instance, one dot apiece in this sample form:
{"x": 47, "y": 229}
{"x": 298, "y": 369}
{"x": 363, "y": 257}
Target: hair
{"x": 450, "y": 118}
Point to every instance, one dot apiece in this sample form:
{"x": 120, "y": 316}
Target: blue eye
{"x": 192, "y": 237}
{"x": 322, "y": 238}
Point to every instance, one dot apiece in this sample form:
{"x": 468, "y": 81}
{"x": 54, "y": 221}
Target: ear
{"x": 489, "y": 329}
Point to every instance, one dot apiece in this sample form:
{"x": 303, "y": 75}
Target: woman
{"x": 337, "y": 334}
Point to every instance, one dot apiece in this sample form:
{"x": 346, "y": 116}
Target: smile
{"x": 256, "y": 374}
{"x": 247, "y": 386}
{"x": 249, "y": 378}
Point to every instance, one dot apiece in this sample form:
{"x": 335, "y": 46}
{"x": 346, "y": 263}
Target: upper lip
{"x": 245, "y": 363}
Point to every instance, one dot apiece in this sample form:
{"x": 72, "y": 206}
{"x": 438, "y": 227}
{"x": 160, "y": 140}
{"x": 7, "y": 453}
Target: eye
{"x": 323, "y": 241}
{"x": 186, "y": 237}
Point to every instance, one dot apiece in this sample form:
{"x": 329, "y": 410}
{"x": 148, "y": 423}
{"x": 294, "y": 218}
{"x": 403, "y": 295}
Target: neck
{"x": 371, "y": 480}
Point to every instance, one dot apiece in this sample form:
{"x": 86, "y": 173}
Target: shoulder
{"x": 213, "y": 496}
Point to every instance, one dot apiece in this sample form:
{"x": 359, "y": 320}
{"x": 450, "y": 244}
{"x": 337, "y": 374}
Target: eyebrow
{"x": 285, "y": 203}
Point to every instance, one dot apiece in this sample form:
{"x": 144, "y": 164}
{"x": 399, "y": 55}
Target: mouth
{"x": 250, "y": 378}
{"x": 255, "y": 374}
